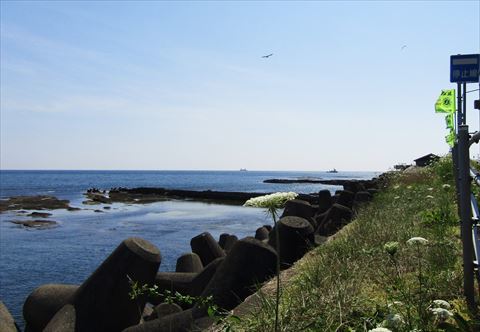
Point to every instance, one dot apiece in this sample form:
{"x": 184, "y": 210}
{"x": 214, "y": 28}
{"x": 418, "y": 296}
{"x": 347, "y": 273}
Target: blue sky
{"x": 182, "y": 85}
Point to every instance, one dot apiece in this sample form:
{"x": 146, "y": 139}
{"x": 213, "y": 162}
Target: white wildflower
{"x": 276, "y": 200}
{"x": 396, "y": 187}
{"x": 441, "y": 304}
{"x": 441, "y": 314}
{"x": 417, "y": 240}
{"x": 430, "y": 189}
{"x": 380, "y": 329}
{"x": 446, "y": 186}
{"x": 395, "y": 303}
{"x": 394, "y": 321}
{"x": 409, "y": 187}
{"x": 396, "y": 197}
{"x": 429, "y": 196}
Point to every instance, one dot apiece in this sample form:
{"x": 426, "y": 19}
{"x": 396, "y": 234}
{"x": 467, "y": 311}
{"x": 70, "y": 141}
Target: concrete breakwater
{"x": 149, "y": 195}
{"x": 223, "y": 269}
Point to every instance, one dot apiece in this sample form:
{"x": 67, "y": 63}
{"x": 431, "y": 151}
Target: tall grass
{"x": 351, "y": 283}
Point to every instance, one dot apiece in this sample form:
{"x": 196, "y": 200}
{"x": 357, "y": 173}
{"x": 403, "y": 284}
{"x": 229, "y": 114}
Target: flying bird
{"x": 267, "y": 56}
{"x": 404, "y": 46}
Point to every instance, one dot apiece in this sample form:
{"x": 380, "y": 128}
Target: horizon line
{"x": 175, "y": 170}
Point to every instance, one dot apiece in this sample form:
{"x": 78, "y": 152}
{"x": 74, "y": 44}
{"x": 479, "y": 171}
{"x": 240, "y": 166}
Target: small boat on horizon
{"x": 332, "y": 171}
{"x": 243, "y": 169}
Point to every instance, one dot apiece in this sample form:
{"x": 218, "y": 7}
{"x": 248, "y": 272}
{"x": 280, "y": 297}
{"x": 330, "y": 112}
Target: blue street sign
{"x": 465, "y": 68}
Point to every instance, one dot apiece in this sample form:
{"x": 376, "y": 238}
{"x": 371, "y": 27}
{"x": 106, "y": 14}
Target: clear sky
{"x": 182, "y": 85}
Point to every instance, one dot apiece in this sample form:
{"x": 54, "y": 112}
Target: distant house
{"x": 426, "y": 160}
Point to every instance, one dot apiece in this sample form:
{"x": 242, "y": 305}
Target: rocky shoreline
{"x": 41, "y": 202}
{"x": 228, "y": 269}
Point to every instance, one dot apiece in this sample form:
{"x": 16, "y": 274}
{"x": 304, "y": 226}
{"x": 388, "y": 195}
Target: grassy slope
{"x": 352, "y": 283}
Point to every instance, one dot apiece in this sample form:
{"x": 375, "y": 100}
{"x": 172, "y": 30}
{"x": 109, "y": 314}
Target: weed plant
{"x": 372, "y": 275}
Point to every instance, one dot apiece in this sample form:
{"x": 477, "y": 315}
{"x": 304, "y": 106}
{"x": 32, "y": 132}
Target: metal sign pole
{"x": 466, "y": 215}
{"x": 464, "y": 99}
{"x": 465, "y": 69}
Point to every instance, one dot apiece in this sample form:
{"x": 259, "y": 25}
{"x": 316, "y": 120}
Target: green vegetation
{"x": 373, "y": 274}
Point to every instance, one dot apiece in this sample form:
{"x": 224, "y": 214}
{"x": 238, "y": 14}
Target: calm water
{"x": 70, "y": 252}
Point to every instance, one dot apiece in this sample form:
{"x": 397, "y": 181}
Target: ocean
{"x": 70, "y": 252}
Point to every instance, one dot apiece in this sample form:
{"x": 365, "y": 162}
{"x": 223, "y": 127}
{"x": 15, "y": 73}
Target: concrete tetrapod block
{"x": 203, "y": 278}
{"x": 249, "y": 263}
{"x": 177, "y": 322}
{"x": 165, "y": 309}
{"x": 221, "y": 240}
{"x": 324, "y": 200}
{"x": 261, "y": 233}
{"x": 296, "y": 238}
{"x": 363, "y": 196}
{"x": 189, "y": 262}
{"x": 7, "y": 323}
{"x": 205, "y": 246}
{"x": 346, "y": 198}
{"x": 229, "y": 242}
{"x": 102, "y": 302}
{"x": 174, "y": 282}
{"x": 354, "y": 186}
{"x": 43, "y": 303}
{"x": 185, "y": 283}
{"x": 372, "y": 191}
{"x": 268, "y": 227}
{"x": 336, "y": 217}
{"x": 299, "y": 208}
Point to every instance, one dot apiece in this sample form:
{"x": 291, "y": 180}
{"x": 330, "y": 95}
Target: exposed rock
{"x": 98, "y": 197}
{"x": 33, "y": 203}
{"x": 39, "y": 215}
{"x": 37, "y": 224}
{"x": 336, "y": 182}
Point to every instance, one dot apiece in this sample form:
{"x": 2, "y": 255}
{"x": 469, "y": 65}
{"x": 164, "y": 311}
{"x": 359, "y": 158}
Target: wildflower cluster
{"x": 379, "y": 329}
{"x": 417, "y": 241}
{"x": 440, "y": 310}
{"x": 272, "y": 201}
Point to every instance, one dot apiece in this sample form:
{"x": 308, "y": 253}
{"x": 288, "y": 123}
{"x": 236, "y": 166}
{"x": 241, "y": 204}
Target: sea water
{"x": 70, "y": 252}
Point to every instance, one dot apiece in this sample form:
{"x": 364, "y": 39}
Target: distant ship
{"x": 332, "y": 171}
{"x": 243, "y": 169}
